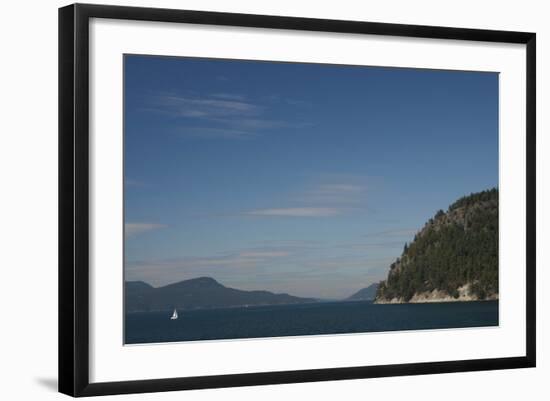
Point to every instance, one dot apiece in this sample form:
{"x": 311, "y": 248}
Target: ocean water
{"x": 305, "y": 319}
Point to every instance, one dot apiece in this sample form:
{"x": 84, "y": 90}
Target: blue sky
{"x": 298, "y": 178}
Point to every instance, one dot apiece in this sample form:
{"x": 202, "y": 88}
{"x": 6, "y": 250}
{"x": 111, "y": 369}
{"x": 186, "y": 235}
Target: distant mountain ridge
{"x": 365, "y": 294}
{"x": 198, "y": 293}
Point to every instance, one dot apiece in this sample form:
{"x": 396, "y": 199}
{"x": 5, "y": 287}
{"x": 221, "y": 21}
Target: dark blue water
{"x": 306, "y": 319}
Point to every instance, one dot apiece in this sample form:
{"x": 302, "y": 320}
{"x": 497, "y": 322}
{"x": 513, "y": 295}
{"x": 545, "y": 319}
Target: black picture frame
{"x": 74, "y": 198}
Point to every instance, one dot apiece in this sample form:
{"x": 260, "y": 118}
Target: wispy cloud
{"x": 263, "y": 254}
{"x": 326, "y": 199}
{"x": 336, "y": 193}
{"x": 297, "y": 212}
{"x": 394, "y": 233}
{"x": 206, "y": 107}
{"x": 131, "y": 229}
{"x": 374, "y": 246}
{"x": 274, "y": 98}
{"x": 259, "y": 123}
{"x": 219, "y": 115}
{"x": 342, "y": 263}
{"x": 214, "y": 133}
{"x": 161, "y": 272}
{"x": 229, "y": 96}
{"x": 245, "y": 258}
{"x": 290, "y": 243}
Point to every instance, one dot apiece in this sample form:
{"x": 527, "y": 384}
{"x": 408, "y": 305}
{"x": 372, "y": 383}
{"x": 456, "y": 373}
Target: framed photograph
{"x": 250, "y": 199}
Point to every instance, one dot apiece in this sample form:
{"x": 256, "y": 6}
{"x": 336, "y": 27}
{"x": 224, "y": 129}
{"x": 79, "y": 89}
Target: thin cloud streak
{"x": 229, "y": 96}
{"x": 323, "y": 200}
{"x": 247, "y": 258}
{"x": 207, "y": 106}
{"x": 297, "y": 212}
{"x": 162, "y": 272}
{"x": 336, "y": 193}
{"x": 131, "y": 229}
{"x": 397, "y": 233}
{"x": 219, "y": 115}
{"x": 218, "y": 133}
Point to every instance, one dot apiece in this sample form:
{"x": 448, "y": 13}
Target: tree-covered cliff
{"x": 454, "y": 257}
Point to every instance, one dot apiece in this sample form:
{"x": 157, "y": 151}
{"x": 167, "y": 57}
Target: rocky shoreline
{"x": 464, "y": 295}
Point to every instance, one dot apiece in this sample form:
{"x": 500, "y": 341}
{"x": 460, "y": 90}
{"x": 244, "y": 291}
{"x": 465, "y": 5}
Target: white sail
{"x": 174, "y": 315}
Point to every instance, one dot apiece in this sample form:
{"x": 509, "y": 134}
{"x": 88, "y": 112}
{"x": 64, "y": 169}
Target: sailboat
{"x": 174, "y": 315}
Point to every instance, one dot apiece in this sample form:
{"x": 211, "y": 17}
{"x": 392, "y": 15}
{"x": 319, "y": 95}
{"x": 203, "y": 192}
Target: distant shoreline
{"x": 369, "y": 301}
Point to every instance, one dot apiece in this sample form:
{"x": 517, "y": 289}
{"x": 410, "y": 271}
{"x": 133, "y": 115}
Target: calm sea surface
{"x": 306, "y": 319}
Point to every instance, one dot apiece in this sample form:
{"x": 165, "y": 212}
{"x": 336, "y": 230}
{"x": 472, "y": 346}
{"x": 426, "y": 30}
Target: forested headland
{"x": 454, "y": 257}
